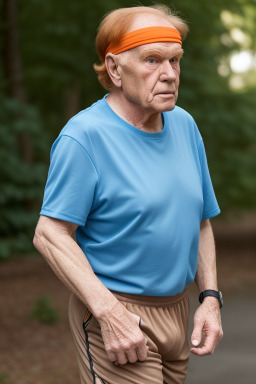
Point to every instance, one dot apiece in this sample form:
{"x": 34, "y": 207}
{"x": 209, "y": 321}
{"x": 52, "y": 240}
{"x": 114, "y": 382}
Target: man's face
{"x": 150, "y": 75}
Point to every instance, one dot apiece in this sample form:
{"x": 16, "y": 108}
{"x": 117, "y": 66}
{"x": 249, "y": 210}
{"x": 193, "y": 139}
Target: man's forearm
{"x": 206, "y": 275}
{"x": 207, "y": 319}
{"x": 71, "y": 266}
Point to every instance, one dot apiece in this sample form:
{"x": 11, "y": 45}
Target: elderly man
{"x": 129, "y": 177}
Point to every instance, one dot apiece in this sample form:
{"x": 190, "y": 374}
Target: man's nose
{"x": 167, "y": 72}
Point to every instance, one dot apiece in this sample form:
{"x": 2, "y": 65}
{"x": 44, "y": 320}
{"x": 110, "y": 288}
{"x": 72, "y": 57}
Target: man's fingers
{"x": 203, "y": 351}
{"x": 121, "y": 358}
{"x": 131, "y": 347}
{"x": 142, "y": 352}
{"x": 210, "y": 343}
{"x": 208, "y": 347}
{"x": 132, "y": 355}
{"x": 218, "y": 337}
{"x": 197, "y": 334}
{"x": 112, "y": 356}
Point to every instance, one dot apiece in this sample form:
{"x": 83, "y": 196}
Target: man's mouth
{"x": 166, "y": 94}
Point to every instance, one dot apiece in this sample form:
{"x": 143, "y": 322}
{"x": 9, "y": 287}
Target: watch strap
{"x": 211, "y": 292}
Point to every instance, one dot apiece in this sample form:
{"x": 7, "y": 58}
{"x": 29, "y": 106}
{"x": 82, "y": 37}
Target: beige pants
{"x": 164, "y": 323}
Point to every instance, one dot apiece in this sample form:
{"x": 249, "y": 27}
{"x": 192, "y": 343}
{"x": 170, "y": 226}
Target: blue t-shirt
{"x": 138, "y": 197}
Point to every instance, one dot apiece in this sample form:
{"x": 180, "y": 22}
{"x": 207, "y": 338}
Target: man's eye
{"x": 151, "y": 61}
{"x": 174, "y": 60}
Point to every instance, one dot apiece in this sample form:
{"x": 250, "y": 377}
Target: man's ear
{"x": 113, "y": 68}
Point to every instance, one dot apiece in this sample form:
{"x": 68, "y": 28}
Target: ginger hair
{"x": 115, "y": 25}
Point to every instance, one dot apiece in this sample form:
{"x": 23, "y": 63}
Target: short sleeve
{"x": 211, "y": 207}
{"x": 71, "y": 182}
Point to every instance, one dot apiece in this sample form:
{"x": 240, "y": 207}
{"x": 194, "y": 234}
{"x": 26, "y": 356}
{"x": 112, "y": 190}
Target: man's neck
{"x": 146, "y": 121}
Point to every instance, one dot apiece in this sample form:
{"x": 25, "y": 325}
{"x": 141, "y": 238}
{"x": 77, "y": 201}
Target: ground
{"x": 36, "y": 353}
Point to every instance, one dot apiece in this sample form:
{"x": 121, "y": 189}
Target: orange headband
{"x": 144, "y": 36}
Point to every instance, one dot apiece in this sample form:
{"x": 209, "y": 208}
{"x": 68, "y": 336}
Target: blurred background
{"x": 46, "y": 77}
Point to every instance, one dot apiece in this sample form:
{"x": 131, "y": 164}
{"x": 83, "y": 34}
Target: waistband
{"x": 151, "y": 301}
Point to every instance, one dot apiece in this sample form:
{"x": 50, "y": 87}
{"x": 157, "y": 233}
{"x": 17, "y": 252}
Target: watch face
{"x": 221, "y": 299}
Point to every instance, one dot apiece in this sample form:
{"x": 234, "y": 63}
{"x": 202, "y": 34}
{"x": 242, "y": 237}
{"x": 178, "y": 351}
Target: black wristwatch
{"x": 211, "y": 292}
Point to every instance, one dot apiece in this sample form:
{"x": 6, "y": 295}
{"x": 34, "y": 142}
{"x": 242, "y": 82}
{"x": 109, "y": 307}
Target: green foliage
{"x": 4, "y": 378}
{"x": 44, "y": 311}
{"x": 225, "y": 118}
{"x": 22, "y": 182}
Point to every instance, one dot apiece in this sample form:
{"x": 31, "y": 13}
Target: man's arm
{"x": 207, "y": 318}
{"x": 54, "y": 239}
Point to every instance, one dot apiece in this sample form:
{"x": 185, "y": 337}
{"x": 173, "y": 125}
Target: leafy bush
{"x": 22, "y": 182}
{"x": 4, "y": 378}
{"x": 44, "y": 311}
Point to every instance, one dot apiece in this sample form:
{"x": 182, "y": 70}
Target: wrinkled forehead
{"x": 165, "y": 48}
{"x": 161, "y": 46}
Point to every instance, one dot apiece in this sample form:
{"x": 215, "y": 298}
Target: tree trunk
{"x": 13, "y": 70}
{"x": 72, "y": 100}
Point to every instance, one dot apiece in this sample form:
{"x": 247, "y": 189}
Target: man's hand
{"x": 123, "y": 339}
{"x": 207, "y": 319}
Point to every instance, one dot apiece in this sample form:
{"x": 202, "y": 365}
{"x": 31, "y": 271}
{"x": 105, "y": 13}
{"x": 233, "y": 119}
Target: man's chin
{"x": 164, "y": 105}
{"x": 168, "y": 106}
